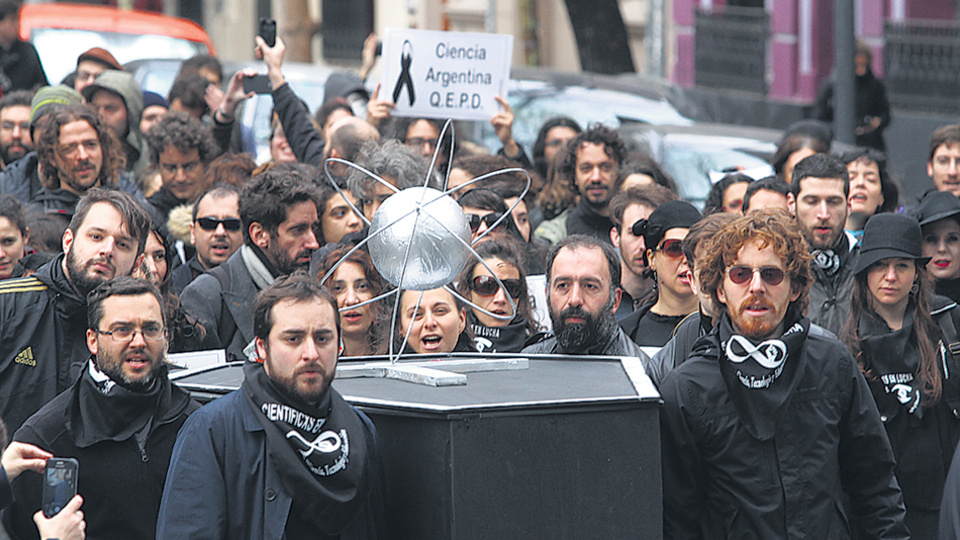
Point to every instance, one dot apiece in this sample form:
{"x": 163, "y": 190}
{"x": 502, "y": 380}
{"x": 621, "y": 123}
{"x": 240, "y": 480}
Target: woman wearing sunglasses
{"x": 352, "y": 283}
{"x": 901, "y": 335}
{"x": 483, "y": 207}
{"x": 672, "y": 298}
{"x": 492, "y": 334}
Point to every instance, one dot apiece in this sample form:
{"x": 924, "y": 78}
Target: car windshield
{"x": 52, "y": 42}
{"x": 691, "y": 167}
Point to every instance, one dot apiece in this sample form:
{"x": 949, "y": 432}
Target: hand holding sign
{"x": 455, "y": 75}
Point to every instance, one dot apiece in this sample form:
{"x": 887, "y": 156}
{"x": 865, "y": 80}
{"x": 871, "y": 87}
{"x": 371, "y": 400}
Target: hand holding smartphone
{"x": 268, "y": 31}
{"x": 59, "y": 484}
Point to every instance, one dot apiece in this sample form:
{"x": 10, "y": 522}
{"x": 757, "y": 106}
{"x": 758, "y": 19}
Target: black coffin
{"x": 568, "y": 448}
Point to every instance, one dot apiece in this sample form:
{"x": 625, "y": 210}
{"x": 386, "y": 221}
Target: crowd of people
{"x": 804, "y": 326}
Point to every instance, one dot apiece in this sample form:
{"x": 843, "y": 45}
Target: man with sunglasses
{"x": 583, "y": 292}
{"x": 652, "y": 324}
{"x": 214, "y": 232}
{"x": 819, "y": 200}
{"x": 120, "y": 419}
{"x": 280, "y": 216}
{"x": 769, "y": 430}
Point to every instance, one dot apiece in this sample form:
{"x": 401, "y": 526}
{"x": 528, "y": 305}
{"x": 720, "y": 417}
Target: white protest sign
{"x": 445, "y": 74}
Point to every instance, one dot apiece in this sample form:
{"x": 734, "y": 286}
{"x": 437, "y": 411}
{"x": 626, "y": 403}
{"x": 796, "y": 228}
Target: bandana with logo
{"x": 829, "y": 261}
{"x": 320, "y": 451}
{"x": 761, "y": 376}
{"x": 892, "y": 359}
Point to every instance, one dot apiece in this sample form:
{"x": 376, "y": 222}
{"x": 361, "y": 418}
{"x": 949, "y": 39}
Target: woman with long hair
{"x": 901, "y": 335}
{"x": 352, "y": 283}
{"x": 476, "y": 284}
{"x": 433, "y": 322}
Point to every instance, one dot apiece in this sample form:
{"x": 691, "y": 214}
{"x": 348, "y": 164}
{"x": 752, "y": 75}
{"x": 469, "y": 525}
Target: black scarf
{"x": 830, "y": 261}
{"x": 761, "y": 377}
{"x": 106, "y": 411}
{"x": 892, "y": 357}
{"x": 499, "y": 339}
{"x": 319, "y": 451}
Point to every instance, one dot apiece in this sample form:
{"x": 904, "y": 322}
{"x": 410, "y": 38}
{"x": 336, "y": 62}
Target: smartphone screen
{"x": 59, "y": 484}
{"x": 258, "y": 84}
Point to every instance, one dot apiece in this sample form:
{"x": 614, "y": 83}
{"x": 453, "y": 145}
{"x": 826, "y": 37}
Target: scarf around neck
{"x": 893, "y": 358}
{"x": 492, "y": 339}
{"x": 105, "y": 410}
{"x": 761, "y": 377}
{"x": 262, "y": 274}
{"x": 321, "y": 452}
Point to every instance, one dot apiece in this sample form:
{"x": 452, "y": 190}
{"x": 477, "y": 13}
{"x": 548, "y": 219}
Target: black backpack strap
{"x": 951, "y": 354}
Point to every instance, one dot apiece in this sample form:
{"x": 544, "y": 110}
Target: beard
{"x": 285, "y": 264}
{"x": 752, "y": 327}
{"x": 288, "y": 385}
{"x": 819, "y": 242}
{"x": 578, "y": 337}
{"x": 81, "y": 277}
{"x": 112, "y": 366}
{"x": 9, "y": 154}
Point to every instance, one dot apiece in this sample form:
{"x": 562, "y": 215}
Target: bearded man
{"x": 769, "y": 430}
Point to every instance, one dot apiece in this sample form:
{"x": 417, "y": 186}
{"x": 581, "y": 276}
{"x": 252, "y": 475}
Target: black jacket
{"x": 21, "y": 67}
{"x": 43, "y": 324}
{"x": 184, "y": 274}
{"x": 121, "y": 481}
{"x": 21, "y": 178}
{"x": 720, "y": 482}
{"x": 617, "y": 345}
{"x": 830, "y": 295}
{"x": 870, "y": 99}
{"x": 305, "y": 141}
{"x": 678, "y": 349}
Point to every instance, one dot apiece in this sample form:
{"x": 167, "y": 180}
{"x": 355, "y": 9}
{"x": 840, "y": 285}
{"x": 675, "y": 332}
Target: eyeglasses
{"x": 487, "y": 286}
{"x": 671, "y": 248}
{"x": 418, "y": 142}
{"x": 771, "y": 275}
{"x": 124, "y": 334}
{"x": 476, "y": 220}
{"x": 211, "y": 224}
{"x": 188, "y": 168}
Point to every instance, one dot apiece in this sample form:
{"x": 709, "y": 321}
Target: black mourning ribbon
{"x": 406, "y": 58}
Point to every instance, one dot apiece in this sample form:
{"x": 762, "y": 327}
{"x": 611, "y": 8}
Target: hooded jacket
{"x": 124, "y": 85}
{"x": 721, "y": 482}
{"x": 43, "y": 324}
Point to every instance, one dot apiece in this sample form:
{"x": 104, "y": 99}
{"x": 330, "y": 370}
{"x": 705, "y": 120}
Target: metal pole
{"x": 843, "y": 72}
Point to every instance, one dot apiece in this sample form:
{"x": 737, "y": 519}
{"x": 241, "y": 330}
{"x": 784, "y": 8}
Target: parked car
{"x": 700, "y": 154}
{"x": 61, "y": 31}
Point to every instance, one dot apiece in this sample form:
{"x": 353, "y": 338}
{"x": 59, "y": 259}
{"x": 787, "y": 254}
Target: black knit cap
{"x": 889, "y": 235}
{"x": 937, "y": 205}
{"x": 669, "y": 215}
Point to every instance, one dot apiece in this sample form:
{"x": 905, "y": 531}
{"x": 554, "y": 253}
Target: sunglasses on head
{"x": 210, "y": 224}
{"x": 671, "y": 248}
{"x": 771, "y": 275}
{"x": 487, "y": 286}
{"x": 476, "y": 220}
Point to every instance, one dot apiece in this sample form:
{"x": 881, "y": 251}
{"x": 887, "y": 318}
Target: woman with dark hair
{"x": 476, "y": 283}
{"x": 437, "y": 324}
{"x": 184, "y": 333}
{"x": 352, "y": 283}
{"x": 727, "y": 194}
{"x": 939, "y": 216}
{"x": 871, "y": 189}
{"x": 483, "y": 207}
{"x": 792, "y": 150}
{"x": 14, "y": 235}
{"x": 900, "y": 334}
{"x": 554, "y": 133}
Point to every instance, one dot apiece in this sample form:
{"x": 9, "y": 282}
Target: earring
{"x": 915, "y": 288}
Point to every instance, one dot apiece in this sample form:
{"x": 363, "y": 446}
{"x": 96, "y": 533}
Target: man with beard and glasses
{"x": 769, "y": 430}
{"x": 119, "y": 420}
{"x": 590, "y": 163}
{"x": 43, "y": 319}
{"x": 285, "y": 455}
{"x": 818, "y": 198}
{"x": 15, "y": 139}
{"x": 583, "y": 293}
{"x": 280, "y": 214}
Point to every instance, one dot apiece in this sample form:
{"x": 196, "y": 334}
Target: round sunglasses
{"x": 771, "y": 275}
{"x": 487, "y": 286}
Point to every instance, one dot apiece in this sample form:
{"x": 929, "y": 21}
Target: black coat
{"x": 120, "y": 481}
{"x": 720, "y": 482}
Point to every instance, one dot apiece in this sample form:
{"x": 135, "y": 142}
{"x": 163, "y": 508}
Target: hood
{"x": 124, "y": 85}
{"x": 178, "y": 222}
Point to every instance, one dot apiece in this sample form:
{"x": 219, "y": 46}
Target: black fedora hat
{"x": 890, "y": 235}
{"x": 937, "y": 205}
